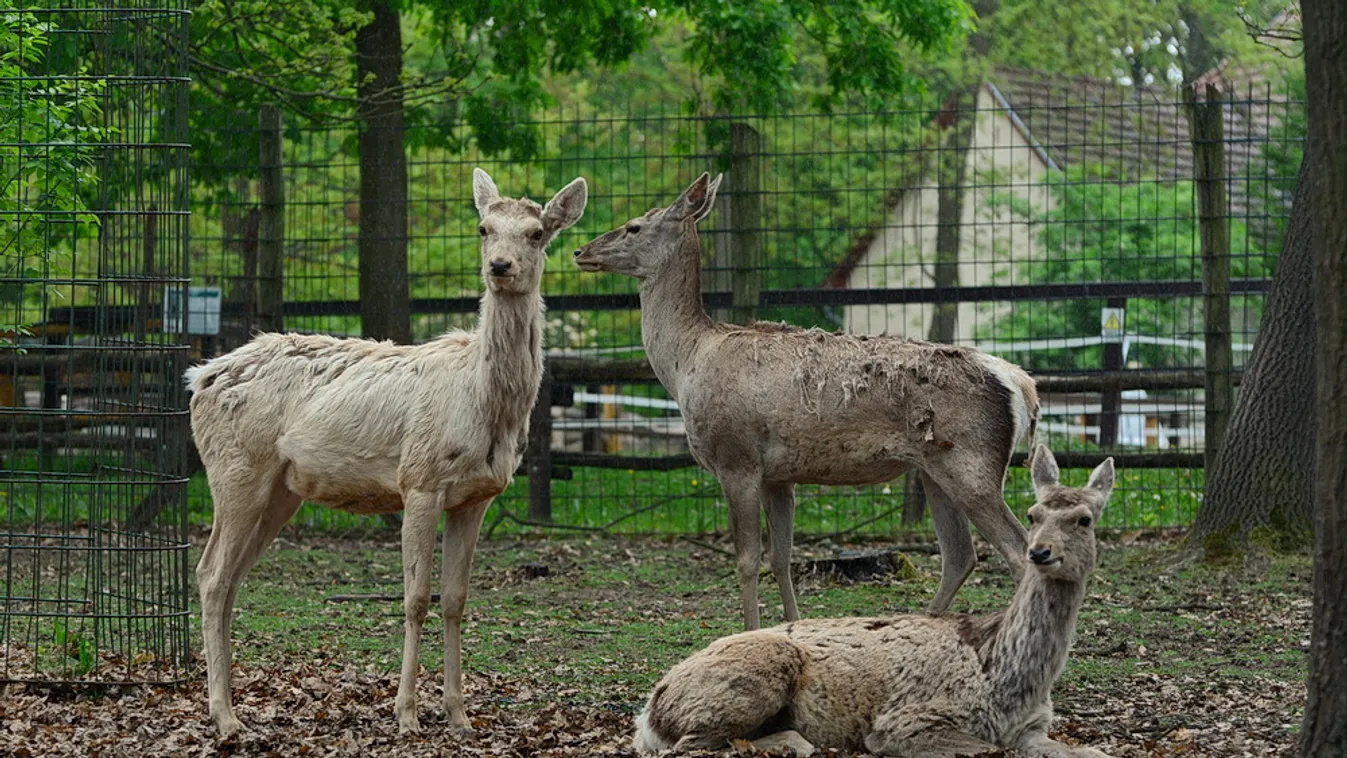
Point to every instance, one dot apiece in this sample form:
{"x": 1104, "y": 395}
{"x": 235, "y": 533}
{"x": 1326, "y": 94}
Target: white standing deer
{"x": 767, "y": 406}
{"x": 917, "y": 686}
{"x": 374, "y": 427}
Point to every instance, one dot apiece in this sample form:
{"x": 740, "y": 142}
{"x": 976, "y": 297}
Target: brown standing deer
{"x": 767, "y": 406}
{"x": 374, "y": 427}
{"x": 917, "y": 686}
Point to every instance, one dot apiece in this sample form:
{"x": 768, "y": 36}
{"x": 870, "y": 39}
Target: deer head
{"x": 515, "y": 233}
{"x": 1062, "y": 519}
{"x": 646, "y": 244}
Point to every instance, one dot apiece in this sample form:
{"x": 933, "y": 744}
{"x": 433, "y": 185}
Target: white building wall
{"x": 1004, "y": 172}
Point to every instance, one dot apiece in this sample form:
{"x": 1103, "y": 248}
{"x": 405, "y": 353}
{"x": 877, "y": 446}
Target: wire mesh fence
{"x": 93, "y": 226}
{"x": 1052, "y": 221}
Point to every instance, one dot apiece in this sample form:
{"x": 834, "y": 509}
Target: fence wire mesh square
{"x": 1052, "y": 221}
{"x": 93, "y": 225}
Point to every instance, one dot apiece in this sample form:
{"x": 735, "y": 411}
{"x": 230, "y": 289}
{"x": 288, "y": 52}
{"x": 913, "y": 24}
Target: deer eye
{"x": 481, "y": 230}
{"x": 633, "y": 228}
{"x": 536, "y": 235}
{"x": 1031, "y": 518}
{"x": 1084, "y": 521}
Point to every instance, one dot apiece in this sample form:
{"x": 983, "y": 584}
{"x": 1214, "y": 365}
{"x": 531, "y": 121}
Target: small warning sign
{"x": 1111, "y": 321}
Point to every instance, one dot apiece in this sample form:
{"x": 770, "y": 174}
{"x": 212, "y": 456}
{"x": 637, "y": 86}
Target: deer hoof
{"x": 228, "y": 725}
{"x": 408, "y": 725}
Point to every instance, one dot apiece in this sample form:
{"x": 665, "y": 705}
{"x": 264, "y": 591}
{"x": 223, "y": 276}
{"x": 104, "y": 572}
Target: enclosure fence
{"x": 93, "y": 238}
{"x": 1055, "y": 222}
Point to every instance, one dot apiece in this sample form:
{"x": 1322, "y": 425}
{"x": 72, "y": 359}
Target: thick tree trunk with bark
{"x": 1264, "y": 475}
{"x": 1324, "y": 732}
{"x": 385, "y": 307}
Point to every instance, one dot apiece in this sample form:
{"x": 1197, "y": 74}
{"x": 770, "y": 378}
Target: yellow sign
{"x": 1111, "y": 322}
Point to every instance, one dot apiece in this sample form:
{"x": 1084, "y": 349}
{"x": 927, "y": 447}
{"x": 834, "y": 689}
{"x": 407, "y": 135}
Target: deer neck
{"x": 1029, "y": 651}
{"x": 673, "y": 318}
{"x": 510, "y": 349}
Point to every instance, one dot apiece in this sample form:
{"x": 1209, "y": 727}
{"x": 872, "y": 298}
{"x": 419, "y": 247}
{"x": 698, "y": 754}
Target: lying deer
{"x": 918, "y": 686}
{"x": 767, "y": 406}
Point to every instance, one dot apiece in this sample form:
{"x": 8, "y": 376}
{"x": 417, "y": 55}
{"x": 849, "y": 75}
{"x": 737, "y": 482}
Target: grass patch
{"x": 613, "y": 614}
{"x": 61, "y": 490}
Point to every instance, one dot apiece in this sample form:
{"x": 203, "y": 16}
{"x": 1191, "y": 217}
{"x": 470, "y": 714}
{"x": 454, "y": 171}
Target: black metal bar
{"x": 632, "y": 462}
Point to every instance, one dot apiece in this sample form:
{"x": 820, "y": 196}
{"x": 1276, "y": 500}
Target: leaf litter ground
{"x": 565, "y": 636}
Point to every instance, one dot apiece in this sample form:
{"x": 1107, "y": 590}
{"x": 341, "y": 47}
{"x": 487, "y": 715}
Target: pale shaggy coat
{"x": 375, "y": 427}
{"x": 767, "y": 406}
{"x": 916, "y": 685}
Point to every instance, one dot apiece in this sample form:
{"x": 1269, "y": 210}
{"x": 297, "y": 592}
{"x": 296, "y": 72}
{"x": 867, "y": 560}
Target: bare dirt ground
{"x": 565, "y": 636}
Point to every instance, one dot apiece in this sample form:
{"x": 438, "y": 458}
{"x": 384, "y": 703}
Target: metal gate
{"x": 93, "y": 243}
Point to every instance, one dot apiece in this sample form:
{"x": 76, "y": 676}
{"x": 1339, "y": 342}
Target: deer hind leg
{"x": 420, "y": 520}
{"x": 957, "y": 554}
{"x": 744, "y": 496}
{"x": 779, "y": 500}
{"x": 739, "y": 688}
{"x": 461, "y": 527}
{"x": 250, "y": 509}
{"x": 978, "y": 494}
{"x": 997, "y": 523}
{"x": 924, "y": 730}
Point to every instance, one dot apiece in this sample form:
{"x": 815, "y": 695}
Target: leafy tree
{"x": 1102, "y": 229}
{"x": 49, "y": 131}
{"x": 488, "y": 61}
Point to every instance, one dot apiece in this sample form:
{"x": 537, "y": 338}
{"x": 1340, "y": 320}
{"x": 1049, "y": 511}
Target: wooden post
{"x": 1207, "y": 131}
{"x": 914, "y": 499}
{"x": 538, "y": 457}
{"x": 271, "y": 231}
{"x": 745, "y": 191}
{"x": 1110, "y": 397}
{"x": 719, "y": 278}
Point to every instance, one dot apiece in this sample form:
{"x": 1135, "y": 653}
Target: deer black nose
{"x": 1040, "y": 555}
{"x": 500, "y": 267}
{"x": 576, "y": 253}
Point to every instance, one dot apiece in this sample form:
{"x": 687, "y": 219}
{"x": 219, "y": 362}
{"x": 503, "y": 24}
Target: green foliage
{"x": 1101, "y": 229}
{"x": 50, "y": 130}
{"x": 76, "y": 646}
{"x": 1147, "y": 43}
{"x": 476, "y": 70}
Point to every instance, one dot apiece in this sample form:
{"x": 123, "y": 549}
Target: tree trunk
{"x": 385, "y": 308}
{"x": 1264, "y": 474}
{"x": 1324, "y": 731}
{"x": 951, "y": 172}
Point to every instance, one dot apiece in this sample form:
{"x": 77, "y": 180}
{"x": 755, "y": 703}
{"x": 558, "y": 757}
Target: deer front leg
{"x": 419, "y": 521}
{"x": 1044, "y": 746}
{"x": 787, "y": 739}
{"x": 1033, "y": 740}
{"x": 743, "y": 493}
{"x": 461, "y": 527}
{"x": 924, "y": 730}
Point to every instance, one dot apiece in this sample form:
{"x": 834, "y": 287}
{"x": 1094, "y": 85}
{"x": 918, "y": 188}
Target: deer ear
{"x": 484, "y": 191}
{"x": 1101, "y": 478}
{"x": 697, "y": 200}
{"x": 566, "y": 207}
{"x": 1044, "y": 467}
